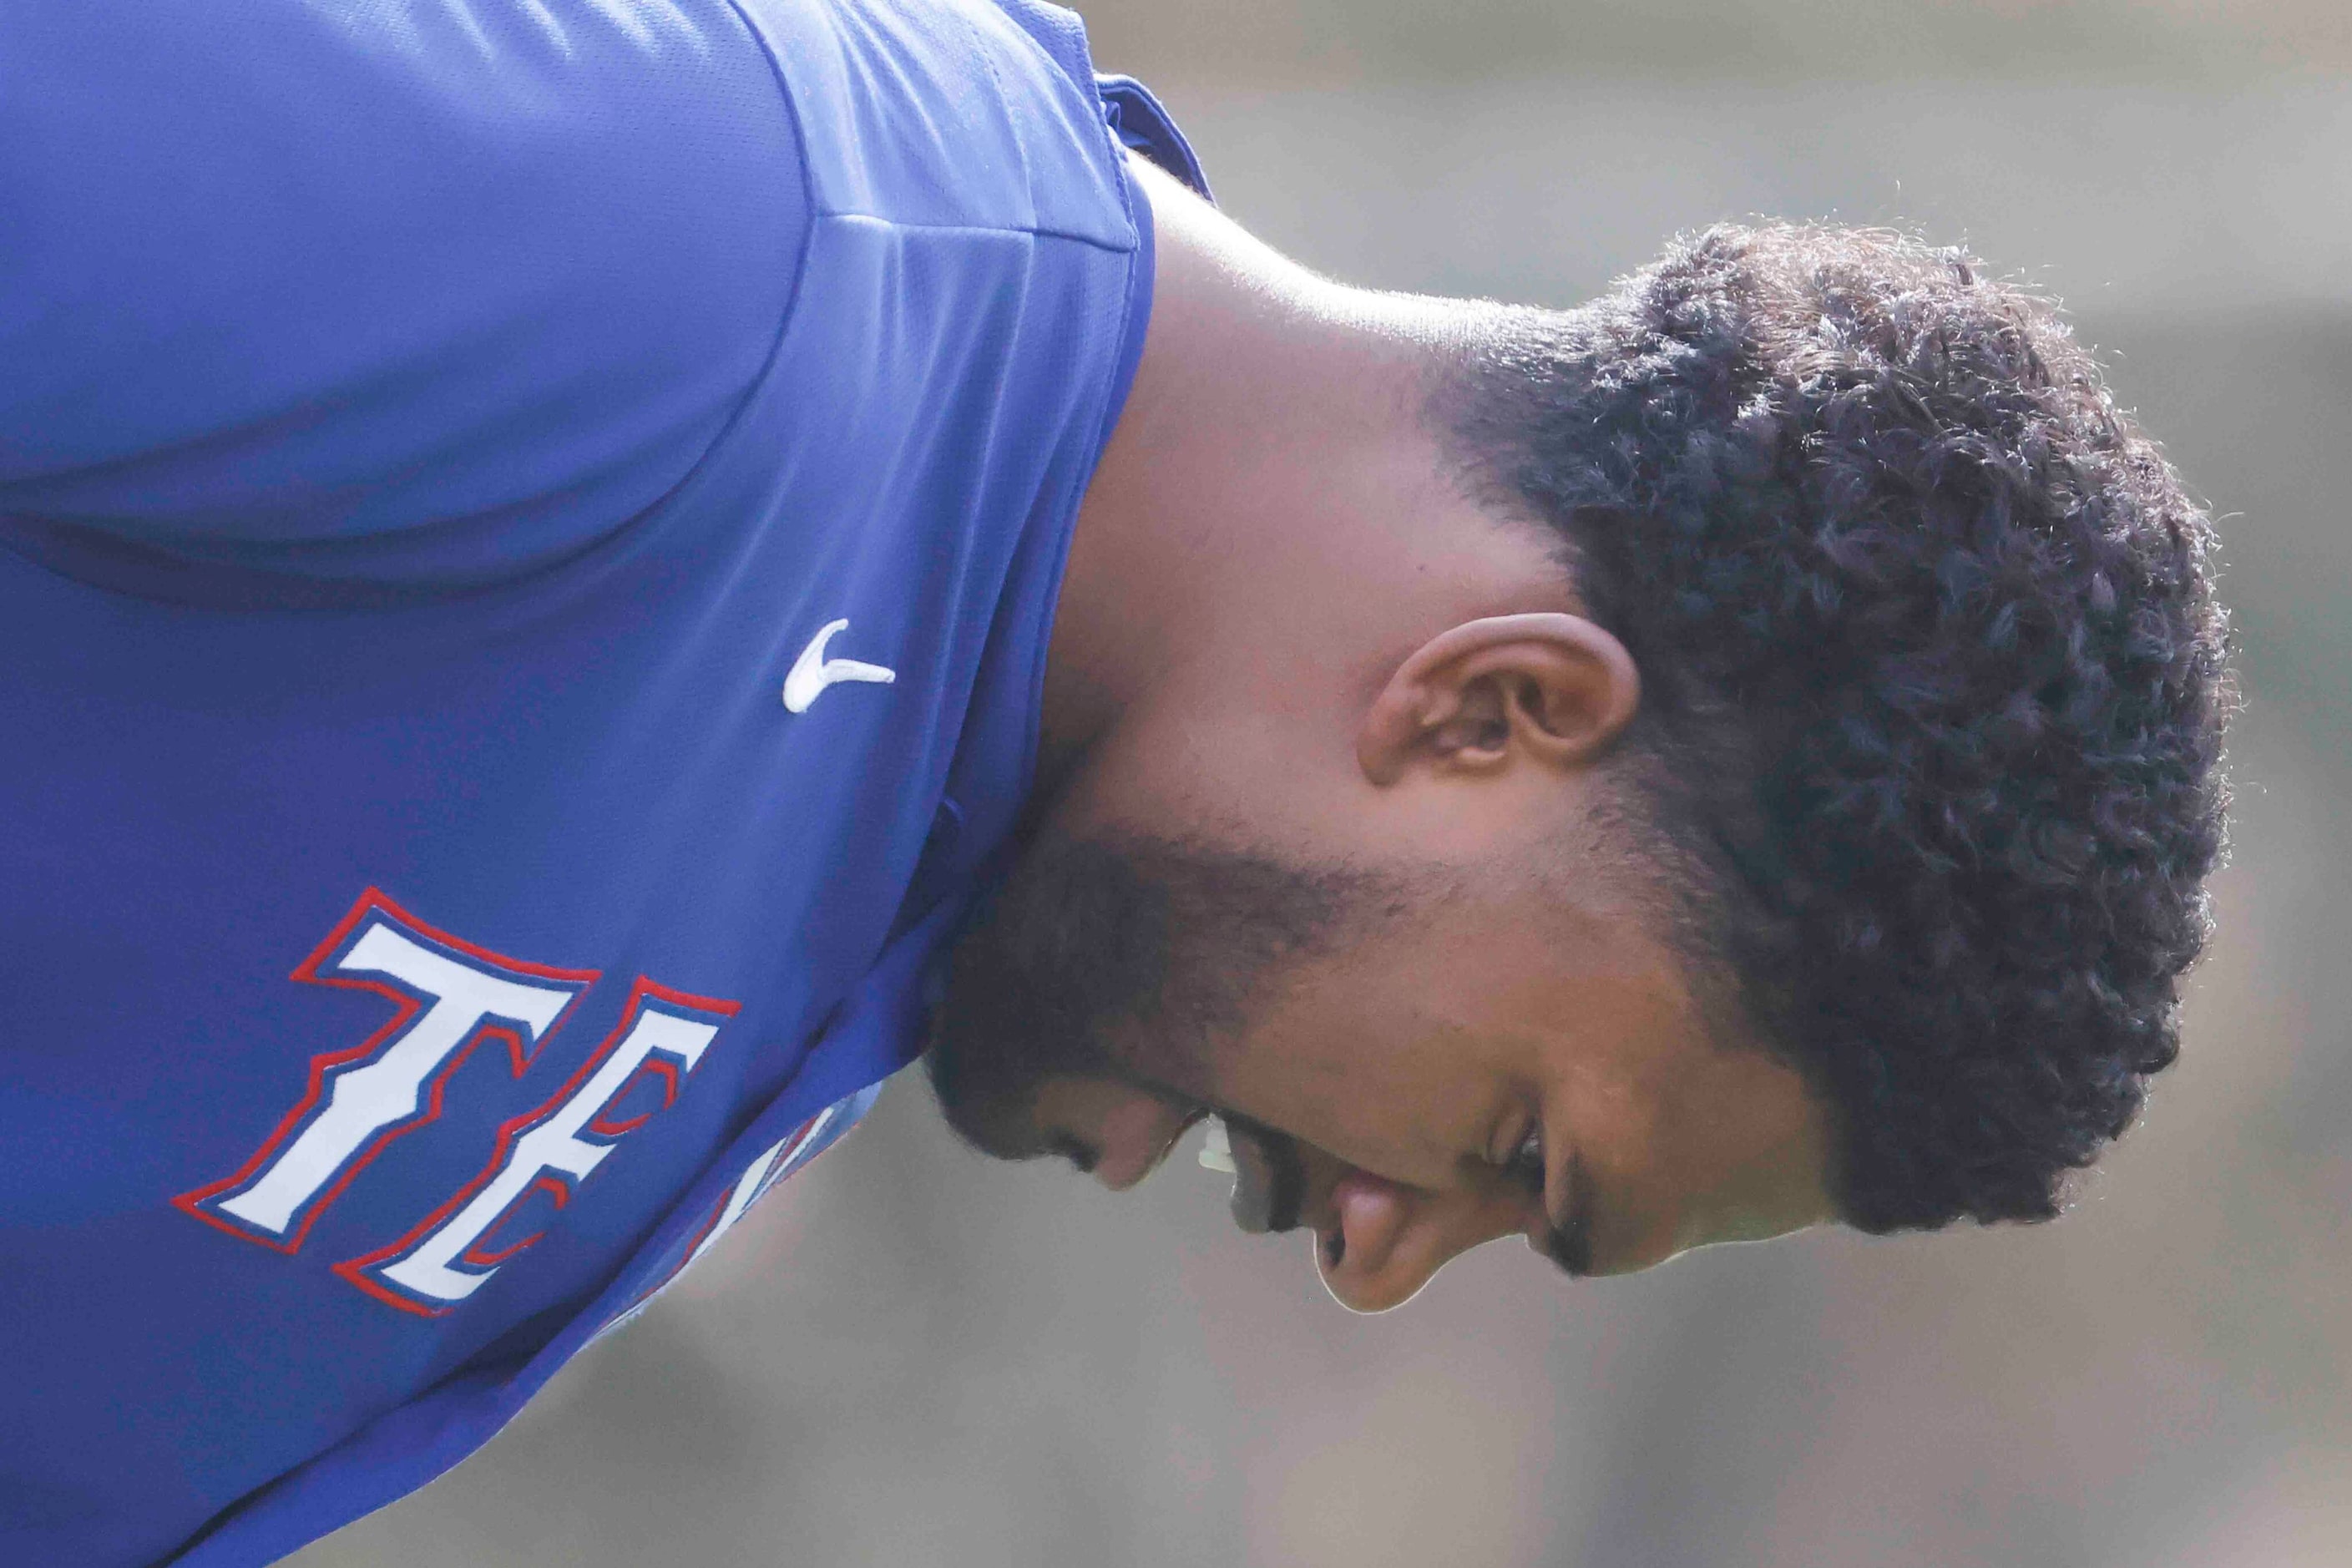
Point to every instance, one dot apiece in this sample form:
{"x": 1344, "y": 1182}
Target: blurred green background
{"x": 909, "y": 1356}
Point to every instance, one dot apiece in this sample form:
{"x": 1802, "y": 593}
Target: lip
{"x": 1265, "y": 1186}
{"x": 1253, "y": 1182}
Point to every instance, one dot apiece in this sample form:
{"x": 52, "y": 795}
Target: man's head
{"x": 1783, "y": 793}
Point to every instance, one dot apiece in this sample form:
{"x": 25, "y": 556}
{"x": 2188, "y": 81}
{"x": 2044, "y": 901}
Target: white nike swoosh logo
{"x": 812, "y": 672}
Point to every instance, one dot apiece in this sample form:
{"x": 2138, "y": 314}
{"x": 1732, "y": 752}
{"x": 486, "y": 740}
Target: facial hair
{"x": 1131, "y": 958}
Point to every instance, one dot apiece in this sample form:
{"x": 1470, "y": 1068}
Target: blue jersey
{"x": 528, "y": 535}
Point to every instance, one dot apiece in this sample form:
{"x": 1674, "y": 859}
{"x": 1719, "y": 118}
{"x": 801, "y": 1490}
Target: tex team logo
{"x": 449, "y": 999}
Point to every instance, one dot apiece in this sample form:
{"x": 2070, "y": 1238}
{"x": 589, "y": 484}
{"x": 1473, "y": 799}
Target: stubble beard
{"x": 1133, "y": 959}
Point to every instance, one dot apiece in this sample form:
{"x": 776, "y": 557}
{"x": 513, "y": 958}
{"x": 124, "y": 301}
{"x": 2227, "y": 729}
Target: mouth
{"x": 1270, "y": 1183}
{"x": 1269, "y": 1177}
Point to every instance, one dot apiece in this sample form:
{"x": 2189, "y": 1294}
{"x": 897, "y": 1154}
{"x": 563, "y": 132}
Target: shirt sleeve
{"x": 404, "y": 290}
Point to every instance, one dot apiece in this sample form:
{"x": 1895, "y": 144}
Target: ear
{"x": 1551, "y": 691}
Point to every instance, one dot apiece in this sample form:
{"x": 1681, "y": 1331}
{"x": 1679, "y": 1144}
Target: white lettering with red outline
{"x": 449, "y": 996}
{"x": 774, "y": 1163}
{"x": 752, "y": 1185}
{"x": 444, "y": 1258}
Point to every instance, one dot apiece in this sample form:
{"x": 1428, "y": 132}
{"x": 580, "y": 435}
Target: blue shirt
{"x": 528, "y": 534}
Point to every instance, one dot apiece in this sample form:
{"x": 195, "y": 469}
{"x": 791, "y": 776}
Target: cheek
{"x": 1354, "y": 1068}
{"x": 1148, "y": 777}
{"x": 1239, "y": 770}
{"x": 1720, "y": 1144}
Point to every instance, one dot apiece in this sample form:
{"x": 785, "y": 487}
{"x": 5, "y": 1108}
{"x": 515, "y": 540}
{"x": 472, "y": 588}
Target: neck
{"x": 1270, "y": 488}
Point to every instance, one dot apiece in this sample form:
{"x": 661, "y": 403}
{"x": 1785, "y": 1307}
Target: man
{"x": 584, "y": 580}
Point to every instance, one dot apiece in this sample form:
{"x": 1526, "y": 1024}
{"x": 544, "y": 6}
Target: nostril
{"x": 1335, "y": 1248}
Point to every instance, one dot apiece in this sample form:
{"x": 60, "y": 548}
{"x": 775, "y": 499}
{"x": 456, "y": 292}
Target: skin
{"x": 1287, "y": 628}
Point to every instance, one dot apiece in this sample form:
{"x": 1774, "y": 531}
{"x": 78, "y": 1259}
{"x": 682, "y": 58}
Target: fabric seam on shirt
{"x": 800, "y": 266}
{"x": 1011, "y": 117}
{"x": 1092, "y": 241}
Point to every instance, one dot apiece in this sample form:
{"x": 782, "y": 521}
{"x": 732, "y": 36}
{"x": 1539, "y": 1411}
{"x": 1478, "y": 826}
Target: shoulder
{"x": 295, "y": 272}
{"x": 948, "y": 113}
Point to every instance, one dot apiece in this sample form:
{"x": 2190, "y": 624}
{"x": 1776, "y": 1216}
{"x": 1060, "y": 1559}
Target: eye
{"x": 1526, "y": 1165}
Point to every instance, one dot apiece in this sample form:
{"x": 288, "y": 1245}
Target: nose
{"x": 1378, "y": 1242}
{"x": 1124, "y": 1130}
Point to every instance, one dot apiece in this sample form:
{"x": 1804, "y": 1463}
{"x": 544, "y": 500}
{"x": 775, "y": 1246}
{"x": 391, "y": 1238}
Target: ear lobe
{"x": 1550, "y": 690}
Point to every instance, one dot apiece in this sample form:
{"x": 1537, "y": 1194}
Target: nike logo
{"x": 812, "y": 672}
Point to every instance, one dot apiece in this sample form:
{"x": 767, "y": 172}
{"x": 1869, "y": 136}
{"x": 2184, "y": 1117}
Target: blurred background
{"x": 909, "y": 1356}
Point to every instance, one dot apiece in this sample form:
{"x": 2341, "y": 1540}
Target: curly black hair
{"x": 1934, "y": 681}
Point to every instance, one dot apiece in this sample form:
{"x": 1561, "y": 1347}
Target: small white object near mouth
{"x": 1217, "y": 1150}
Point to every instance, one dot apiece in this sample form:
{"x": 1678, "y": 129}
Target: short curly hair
{"x": 1934, "y": 681}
